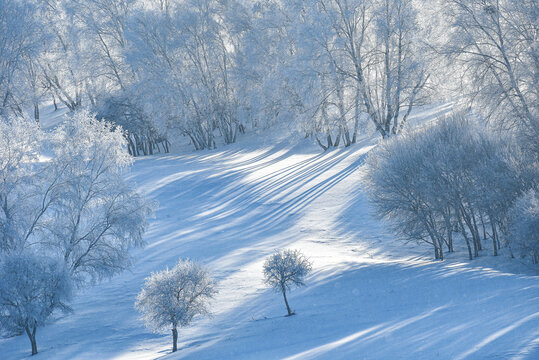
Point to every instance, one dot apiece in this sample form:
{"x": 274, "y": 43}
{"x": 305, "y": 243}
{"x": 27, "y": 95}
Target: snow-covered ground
{"x": 370, "y": 296}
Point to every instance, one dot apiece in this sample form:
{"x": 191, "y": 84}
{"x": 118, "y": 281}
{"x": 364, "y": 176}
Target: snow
{"x": 370, "y": 296}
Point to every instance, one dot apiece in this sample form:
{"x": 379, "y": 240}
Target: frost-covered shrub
{"x": 524, "y": 225}
{"x": 285, "y": 269}
{"x": 31, "y": 289}
{"x": 173, "y": 298}
{"x": 450, "y": 176}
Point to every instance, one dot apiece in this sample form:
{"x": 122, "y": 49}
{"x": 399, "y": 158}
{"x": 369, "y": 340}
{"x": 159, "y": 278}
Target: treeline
{"x": 210, "y": 69}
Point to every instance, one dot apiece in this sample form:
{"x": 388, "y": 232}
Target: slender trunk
{"x": 476, "y": 232}
{"x": 356, "y": 116}
{"x": 338, "y": 139}
{"x": 286, "y": 301}
{"x": 174, "y": 339}
{"x": 131, "y": 146}
{"x": 32, "y": 336}
{"x": 449, "y": 228}
{"x": 494, "y": 245}
{"x": 36, "y": 112}
{"x": 465, "y": 237}
{"x": 320, "y": 143}
{"x": 468, "y": 221}
{"x": 441, "y": 251}
{"x": 434, "y": 238}
{"x": 483, "y": 226}
{"x": 494, "y": 237}
{"x": 54, "y": 102}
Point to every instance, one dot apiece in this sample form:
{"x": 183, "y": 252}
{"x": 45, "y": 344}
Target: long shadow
{"x": 214, "y": 207}
{"x": 226, "y": 209}
{"x": 378, "y": 314}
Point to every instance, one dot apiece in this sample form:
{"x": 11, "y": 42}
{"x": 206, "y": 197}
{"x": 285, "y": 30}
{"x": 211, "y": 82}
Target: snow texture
{"x": 368, "y": 297}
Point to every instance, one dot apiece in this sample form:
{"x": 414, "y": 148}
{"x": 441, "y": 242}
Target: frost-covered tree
{"x": 348, "y": 62}
{"x": 125, "y": 110}
{"x": 493, "y": 45}
{"x": 99, "y": 217}
{"x": 447, "y": 176}
{"x": 186, "y": 54}
{"x": 32, "y": 288}
{"x": 524, "y": 225}
{"x": 20, "y": 208}
{"x": 76, "y": 205}
{"x": 17, "y": 43}
{"x": 286, "y": 269}
{"x": 173, "y": 298}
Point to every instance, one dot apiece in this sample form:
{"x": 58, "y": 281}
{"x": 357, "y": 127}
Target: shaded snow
{"x": 369, "y": 296}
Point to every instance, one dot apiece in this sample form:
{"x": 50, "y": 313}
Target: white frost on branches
{"x": 173, "y": 298}
{"x": 285, "y": 269}
{"x": 32, "y": 288}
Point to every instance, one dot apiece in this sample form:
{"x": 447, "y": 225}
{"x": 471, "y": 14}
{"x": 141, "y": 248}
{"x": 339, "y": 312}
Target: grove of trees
{"x": 473, "y": 174}
{"x": 63, "y": 196}
{"x": 210, "y": 70}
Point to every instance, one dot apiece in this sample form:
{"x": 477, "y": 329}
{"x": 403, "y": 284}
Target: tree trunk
{"x": 494, "y": 237}
{"x": 36, "y": 112}
{"x": 483, "y": 225}
{"x": 32, "y": 336}
{"x": 286, "y": 301}
{"x": 174, "y": 339}
{"x": 469, "y": 224}
{"x": 54, "y": 102}
{"x": 449, "y": 228}
{"x": 465, "y": 237}
{"x": 476, "y": 230}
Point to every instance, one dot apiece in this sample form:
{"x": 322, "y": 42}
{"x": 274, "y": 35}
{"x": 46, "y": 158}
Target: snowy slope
{"x": 369, "y": 297}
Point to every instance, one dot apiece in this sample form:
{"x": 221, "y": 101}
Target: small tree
{"x": 284, "y": 269}
{"x": 174, "y": 297}
{"x": 32, "y": 288}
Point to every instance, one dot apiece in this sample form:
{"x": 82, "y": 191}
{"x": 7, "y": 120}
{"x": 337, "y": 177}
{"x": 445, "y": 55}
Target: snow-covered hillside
{"x": 369, "y": 296}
